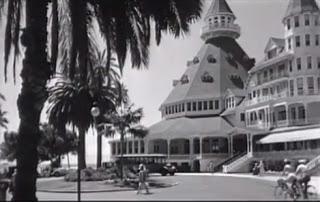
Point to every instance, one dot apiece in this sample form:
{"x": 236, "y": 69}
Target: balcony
{"x": 273, "y": 78}
{"x": 220, "y": 29}
{"x": 267, "y": 98}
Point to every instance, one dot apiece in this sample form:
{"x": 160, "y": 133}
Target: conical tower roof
{"x": 300, "y": 6}
{"x": 218, "y": 7}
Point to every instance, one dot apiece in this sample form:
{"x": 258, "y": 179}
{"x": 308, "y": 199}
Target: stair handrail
{"x": 313, "y": 163}
{"x": 233, "y": 157}
{"x": 236, "y": 162}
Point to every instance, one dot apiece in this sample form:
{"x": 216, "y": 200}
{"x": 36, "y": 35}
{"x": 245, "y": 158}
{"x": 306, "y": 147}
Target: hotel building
{"x": 226, "y": 111}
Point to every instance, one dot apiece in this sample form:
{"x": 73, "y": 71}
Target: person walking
{"x": 142, "y": 179}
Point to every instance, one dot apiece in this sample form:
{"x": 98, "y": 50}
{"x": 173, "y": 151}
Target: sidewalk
{"x": 315, "y": 180}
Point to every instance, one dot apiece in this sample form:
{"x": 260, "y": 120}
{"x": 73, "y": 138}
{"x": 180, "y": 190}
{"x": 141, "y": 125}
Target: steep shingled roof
{"x": 217, "y": 7}
{"x": 299, "y": 6}
{"x": 231, "y": 60}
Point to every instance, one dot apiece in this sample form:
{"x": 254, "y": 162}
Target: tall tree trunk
{"x": 82, "y": 149}
{"x": 35, "y": 74}
{"x": 121, "y": 154}
{"x": 68, "y": 159}
{"x": 99, "y": 150}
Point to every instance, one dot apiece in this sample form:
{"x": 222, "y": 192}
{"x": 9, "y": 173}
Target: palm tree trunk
{"x": 121, "y": 154}
{"x": 35, "y": 74}
{"x": 99, "y": 150}
{"x": 68, "y": 159}
{"x": 82, "y": 149}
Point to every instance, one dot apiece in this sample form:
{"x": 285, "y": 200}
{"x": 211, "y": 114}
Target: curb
{"x": 100, "y": 191}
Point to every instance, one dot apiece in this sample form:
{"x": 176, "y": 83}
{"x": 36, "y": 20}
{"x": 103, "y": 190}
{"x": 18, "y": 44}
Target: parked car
{"x": 58, "y": 172}
{"x": 168, "y": 169}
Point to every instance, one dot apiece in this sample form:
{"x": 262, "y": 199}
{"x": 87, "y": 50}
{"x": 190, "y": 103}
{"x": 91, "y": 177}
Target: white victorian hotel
{"x": 227, "y": 111}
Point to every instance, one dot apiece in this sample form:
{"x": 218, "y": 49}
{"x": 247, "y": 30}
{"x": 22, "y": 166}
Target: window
{"x": 119, "y": 147}
{"x": 282, "y": 115}
{"x": 211, "y": 105}
{"x": 310, "y": 83}
{"x": 242, "y": 117}
{"x": 182, "y": 107}
{"x": 136, "y": 147}
{"x": 130, "y": 147}
{"x": 172, "y": 109}
{"x": 205, "y": 105}
{"x": 200, "y": 106}
{"x": 265, "y": 76}
{"x": 301, "y": 112}
{"x": 300, "y": 86}
{"x": 272, "y": 53}
{"x": 293, "y": 113}
{"x": 194, "y": 106}
{"x": 142, "y": 146}
{"x": 281, "y": 70}
{"x": 254, "y": 94}
{"x": 288, "y": 24}
{"x": 179, "y": 108}
{"x": 317, "y": 39}
{"x": 176, "y": 109}
{"x": 216, "y": 104}
{"x": 306, "y": 20}
{"x": 229, "y": 19}
{"x": 318, "y": 62}
{"x": 296, "y": 21}
{"x": 189, "y": 106}
{"x": 297, "y": 41}
{"x": 167, "y": 111}
{"x": 271, "y": 74}
{"x": 291, "y": 88}
{"x": 265, "y": 91}
{"x": 216, "y": 22}
{"x": 289, "y": 43}
{"x": 290, "y": 65}
{"x": 298, "y": 64}
{"x": 316, "y": 20}
{"x": 307, "y": 37}
{"x": 223, "y": 20}
{"x": 309, "y": 62}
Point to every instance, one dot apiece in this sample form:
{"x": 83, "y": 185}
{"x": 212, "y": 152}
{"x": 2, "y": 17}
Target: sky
{"x": 148, "y": 87}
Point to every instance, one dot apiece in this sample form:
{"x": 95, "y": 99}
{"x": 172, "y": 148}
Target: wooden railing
{"x": 218, "y": 168}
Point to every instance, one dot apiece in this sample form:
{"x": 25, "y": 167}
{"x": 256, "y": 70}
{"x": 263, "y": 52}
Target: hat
{"x": 302, "y": 161}
{"x": 286, "y": 160}
{"x": 141, "y": 166}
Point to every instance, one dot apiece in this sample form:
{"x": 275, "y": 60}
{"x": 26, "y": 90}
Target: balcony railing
{"x": 220, "y": 27}
{"x": 267, "y": 98}
{"x": 274, "y": 77}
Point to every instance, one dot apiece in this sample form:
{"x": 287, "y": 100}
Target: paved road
{"x": 188, "y": 188}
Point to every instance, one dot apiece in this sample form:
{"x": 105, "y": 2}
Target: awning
{"x": 292, "y": 136}
{"x": 189, "y": 127}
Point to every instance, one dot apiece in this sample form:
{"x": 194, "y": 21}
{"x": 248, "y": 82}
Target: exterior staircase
{"x": 314, "y": 166}
{"x": 238, "y": 164}
{"x": 218, "y": 168}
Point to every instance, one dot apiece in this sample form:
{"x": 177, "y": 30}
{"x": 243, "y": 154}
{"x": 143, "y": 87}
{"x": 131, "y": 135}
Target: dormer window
{"x": 296, "y": 21}
{"x": 232, "y": 61}
{"x": 288, "y": 24}
{"x": 207, "y": 78}
{"x": 272, "y": 53}
{"x": 237, "y": 81}
{"x": 196, "y": 60}
{"x": 184, "y": 79}
{"x": 211, "y": 59}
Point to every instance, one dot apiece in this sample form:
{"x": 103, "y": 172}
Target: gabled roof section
{"x": 278, "y": 42}
{"x": 218, "y": 7}
{"x": 300, "y": 6}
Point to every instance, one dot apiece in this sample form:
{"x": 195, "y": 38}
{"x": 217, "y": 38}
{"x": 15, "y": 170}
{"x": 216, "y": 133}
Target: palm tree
{"x": 124, "y": 24}
{"x": 126, "y": 121}
{"x": 3, "y": 119}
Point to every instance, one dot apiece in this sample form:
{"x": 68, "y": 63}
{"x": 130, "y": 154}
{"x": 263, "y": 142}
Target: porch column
{"x": 248, "y": 142}
{"x": 285, "y": 146}
{"x": 116, "y": 147}
{"x": 139, "y": 146}
{"x": 191, "y": 146}
{"x": 127, "y": 146}
{"x": 305, "y": 114}
{"x": 231, "y": 145}
{"x": 287, "y": 114}
{"x": 168, "y": 143}
{"x": 200, "y": 140}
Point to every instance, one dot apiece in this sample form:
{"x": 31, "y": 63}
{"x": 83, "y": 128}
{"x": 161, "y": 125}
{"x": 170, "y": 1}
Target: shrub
{"x": 90, "y": 174}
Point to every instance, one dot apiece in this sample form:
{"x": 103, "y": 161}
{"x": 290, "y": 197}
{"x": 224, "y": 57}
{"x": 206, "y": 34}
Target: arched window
{"x": 207, "y": 78}
{"x": 184, "y": 79}
{"x": 196, "y": 60}
{"x": 211, "y": 59}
